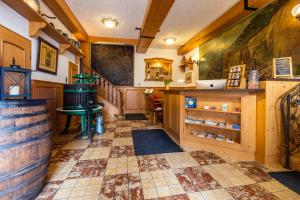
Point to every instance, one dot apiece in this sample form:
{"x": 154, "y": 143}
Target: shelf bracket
{"x": 63, "y": 48}
{"x": 35, "y": 27}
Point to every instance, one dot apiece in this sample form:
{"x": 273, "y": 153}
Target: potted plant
{"x": 167, "y": 83}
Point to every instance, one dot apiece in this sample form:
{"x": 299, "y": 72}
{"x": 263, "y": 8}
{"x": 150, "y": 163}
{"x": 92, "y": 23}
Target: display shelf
{"x": 211, "y": 126}
{"x": 217, "y": 111}
{"x": 214, "y": 142}
{"x": 37, "y": 23}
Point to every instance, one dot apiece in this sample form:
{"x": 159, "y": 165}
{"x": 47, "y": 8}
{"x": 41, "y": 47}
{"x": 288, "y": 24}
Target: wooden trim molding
{"x": 156, "y": 13}
{"x": 229, "y": 18}
{"x": 94, "y": 39}
{"x": 61, "y": 9}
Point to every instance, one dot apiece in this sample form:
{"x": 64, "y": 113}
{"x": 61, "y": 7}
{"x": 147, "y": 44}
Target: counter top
{"x": 214, "y": 90}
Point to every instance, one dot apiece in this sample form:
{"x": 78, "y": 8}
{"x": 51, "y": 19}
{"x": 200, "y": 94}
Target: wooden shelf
{"x": 211, "y": 126}
{"x": 37, "y": 23}
{"x": 214, "y": 142}
{"x": 217, "y": 111}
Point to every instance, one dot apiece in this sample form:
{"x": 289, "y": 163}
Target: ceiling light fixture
{"x": 109, "y": 22}
{"x": 170, "y": 41}
{"x": 296, "y": 11}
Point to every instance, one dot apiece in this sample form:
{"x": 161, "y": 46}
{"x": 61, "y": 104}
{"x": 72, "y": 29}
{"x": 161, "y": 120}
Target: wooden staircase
{"x": 111, "y": 96}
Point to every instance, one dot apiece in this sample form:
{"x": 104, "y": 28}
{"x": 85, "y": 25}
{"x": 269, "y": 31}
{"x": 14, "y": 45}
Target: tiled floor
{"x": 109, "y": 169}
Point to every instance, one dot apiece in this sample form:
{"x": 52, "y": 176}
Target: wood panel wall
{"x": 134, "y": 99}
{"x": 269, "y": 143}
{"x": 53, "y": 92}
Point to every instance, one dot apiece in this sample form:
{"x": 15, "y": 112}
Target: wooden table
{"x": 82, "y": 113}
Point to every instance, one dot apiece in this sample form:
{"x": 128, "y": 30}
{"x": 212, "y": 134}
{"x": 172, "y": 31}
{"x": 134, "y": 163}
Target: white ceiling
{"x": 185, "y": 19}
{"x": 130, "y": 14}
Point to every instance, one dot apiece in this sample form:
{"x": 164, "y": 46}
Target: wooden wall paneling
{"x": 132, "y": 99}
{"x": 230, "y": 17}
{"x": 273, "y": 126}
{"x": 12, "y": 45}
{"x": 53, "y": 92}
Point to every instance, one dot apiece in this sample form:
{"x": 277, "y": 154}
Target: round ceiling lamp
{"x": 170, "y": 41}
{"x": 109, "y": 22}
{"x": 296, "y": 11}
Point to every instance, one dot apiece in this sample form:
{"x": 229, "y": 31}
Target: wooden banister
{"x": 109, "y": 92}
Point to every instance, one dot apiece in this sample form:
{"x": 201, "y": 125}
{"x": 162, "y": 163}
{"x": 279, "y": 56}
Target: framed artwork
{"x": 47, "y": 57}
{"x": 188, "y": 78}
{"x": 235, "y": 76}
{"x": 282, "y": 67}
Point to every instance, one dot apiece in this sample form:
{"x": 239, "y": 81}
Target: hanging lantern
{"x": 15, "y": 82}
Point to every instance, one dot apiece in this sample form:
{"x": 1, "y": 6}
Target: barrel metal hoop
{"x": 23, "y": 115}
{"x": 29, "y": 181}
{"x": 22, "y": 103}
{"x": 9, "y": 146}
{"x": 14, "y": 129}
{"x": 26, "y": 169}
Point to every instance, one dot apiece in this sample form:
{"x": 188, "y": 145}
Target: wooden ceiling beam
{"x": 229, "y": 18}
{"x": 156, "y": 13}
{"x": 94, "y": 39}
{"x": 63, "y": 12}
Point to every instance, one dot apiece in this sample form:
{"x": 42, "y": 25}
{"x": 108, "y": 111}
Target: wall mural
{"x": 269, "y": 32}
{"x": 113, "y": 62}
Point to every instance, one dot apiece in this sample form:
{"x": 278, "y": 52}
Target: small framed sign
{"x": 236, "y": 77}
{"x": 282, "y": 67}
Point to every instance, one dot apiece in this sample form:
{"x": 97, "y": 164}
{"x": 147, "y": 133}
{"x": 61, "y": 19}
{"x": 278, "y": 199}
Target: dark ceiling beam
{"x": 156, "y": 12}
{"x": 63, "y": 12}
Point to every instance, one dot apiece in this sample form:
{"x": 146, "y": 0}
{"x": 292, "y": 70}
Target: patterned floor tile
{"x": 195, "y": 179}
{"x": 49, "y": 191}
{"x": 100, "y": 143}
{"x": 152, "y": 163}
{"x": 88, "y": 168}
{"x": 123, "y": 129}
{"x": 95, "y": 153}
{"x": 206, "y": 158}
{"x": 123, "y": 135}
{"x": 251, "y": 192}
{"x": 67, "y": 155}
{"x": 119, "y": 151}
{"x": 254, "y": 170}
{"x": 180, "y": 160}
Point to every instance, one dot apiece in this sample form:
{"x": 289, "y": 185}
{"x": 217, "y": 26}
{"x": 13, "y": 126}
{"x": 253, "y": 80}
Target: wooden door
{"x": 73, "y": 70}
{"x": 13, "y": 45}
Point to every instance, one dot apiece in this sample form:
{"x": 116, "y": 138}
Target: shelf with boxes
{"x": 213, "y": 118}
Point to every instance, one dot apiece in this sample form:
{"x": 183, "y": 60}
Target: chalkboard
{"x": 283, "y": 67}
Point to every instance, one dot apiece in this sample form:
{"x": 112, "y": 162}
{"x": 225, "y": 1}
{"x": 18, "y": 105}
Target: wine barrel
{"x": 25, "y": 148}
{"x": 76, "y": 96}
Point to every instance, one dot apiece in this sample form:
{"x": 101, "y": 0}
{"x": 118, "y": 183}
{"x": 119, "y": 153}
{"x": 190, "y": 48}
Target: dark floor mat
{"x": 135, "y": 116}
{"x": 154, "y": 141}
{"x": 290, "y": 179}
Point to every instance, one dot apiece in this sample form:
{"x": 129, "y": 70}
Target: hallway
{"x": 109, "y": 169}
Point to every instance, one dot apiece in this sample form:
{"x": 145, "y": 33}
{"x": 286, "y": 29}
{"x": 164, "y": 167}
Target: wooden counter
{"x": 241, "y": 110}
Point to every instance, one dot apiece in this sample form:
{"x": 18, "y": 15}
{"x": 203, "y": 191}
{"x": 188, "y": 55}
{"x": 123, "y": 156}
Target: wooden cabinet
{"x": 213, "y": 129}
{"x": 14, "y": 46}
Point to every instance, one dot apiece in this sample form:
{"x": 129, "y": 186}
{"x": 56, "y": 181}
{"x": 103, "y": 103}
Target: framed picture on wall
{"x": 47, "y": 57}
{"x": 188, "y": 78}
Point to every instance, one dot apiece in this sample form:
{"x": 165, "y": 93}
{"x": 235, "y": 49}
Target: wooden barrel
{"x": 25, "y": 148}
{"x": 76, "y": 96}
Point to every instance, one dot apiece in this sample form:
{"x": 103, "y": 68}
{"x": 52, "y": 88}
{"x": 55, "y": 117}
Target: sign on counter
{"x": 282, "y": 67}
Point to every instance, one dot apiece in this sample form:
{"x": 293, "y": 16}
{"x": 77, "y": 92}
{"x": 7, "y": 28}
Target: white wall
{"x": 177, "y": 74}
{"x": 15, "y": 22}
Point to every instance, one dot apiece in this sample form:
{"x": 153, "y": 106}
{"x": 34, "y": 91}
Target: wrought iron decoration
{"x": 247, "y": 7}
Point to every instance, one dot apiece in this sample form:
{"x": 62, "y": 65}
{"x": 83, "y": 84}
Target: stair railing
{"x": 290, "y": 116}
{"x": 109, "y": 92}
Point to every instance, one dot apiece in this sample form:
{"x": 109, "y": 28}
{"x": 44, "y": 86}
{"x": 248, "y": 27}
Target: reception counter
{"x": 208, "y": 126}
